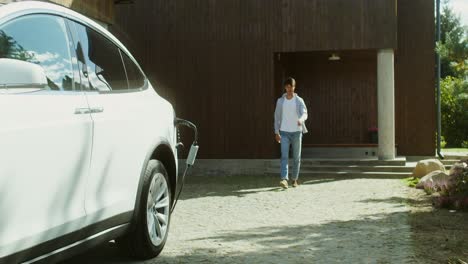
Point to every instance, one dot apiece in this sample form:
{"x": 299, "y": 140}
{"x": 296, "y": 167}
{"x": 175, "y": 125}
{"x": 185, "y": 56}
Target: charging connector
{"x": 192, "y": 153}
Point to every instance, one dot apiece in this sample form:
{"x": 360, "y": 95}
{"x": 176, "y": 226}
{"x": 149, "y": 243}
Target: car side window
{"x": 43, "y": 40}
{"x": 104, "y": 67}
{"x": 136, "y": 79}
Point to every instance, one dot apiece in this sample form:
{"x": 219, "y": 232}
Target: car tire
{"x": 149, "y": 234}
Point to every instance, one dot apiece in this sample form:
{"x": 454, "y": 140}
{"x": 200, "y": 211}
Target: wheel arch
{"x": 161, "y": 151}
{"x": 164, "y": 154}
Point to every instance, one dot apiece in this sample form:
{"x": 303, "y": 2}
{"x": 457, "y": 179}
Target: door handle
{"x": 95, "y": 110}
{"x": 82, "y": 111}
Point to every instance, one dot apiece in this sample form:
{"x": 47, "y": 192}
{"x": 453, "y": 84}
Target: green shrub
{"x": 465, "y": 144}
{"x": 443, "y": 143}
{"x": 454, "y": 114}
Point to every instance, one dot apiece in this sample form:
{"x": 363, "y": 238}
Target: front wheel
{"x": 149, "y": 236}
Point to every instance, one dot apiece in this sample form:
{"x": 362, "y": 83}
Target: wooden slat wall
{"x": 214, "y": 59}
{"x": 336, "y": 24}
{"x": 415, "y": 78}
{"x": 102, "y": 10}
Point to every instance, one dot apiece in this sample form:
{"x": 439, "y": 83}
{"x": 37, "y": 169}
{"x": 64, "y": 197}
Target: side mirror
{"x": 21, "y": 75}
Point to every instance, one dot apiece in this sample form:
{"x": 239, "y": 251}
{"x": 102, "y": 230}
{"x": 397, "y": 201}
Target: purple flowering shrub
{"x": 454, "y": 191}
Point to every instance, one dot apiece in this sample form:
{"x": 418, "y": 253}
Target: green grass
{"x": 456, "y": 150}
{"x": 411, "y": 181}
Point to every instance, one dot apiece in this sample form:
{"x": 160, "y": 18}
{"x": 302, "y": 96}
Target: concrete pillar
{"x": 386, "y": 104}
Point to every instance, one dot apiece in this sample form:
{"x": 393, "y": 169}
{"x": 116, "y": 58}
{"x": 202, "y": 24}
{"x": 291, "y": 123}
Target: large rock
{"x": 436, "y": 181}
{"x": 427, "y": 166}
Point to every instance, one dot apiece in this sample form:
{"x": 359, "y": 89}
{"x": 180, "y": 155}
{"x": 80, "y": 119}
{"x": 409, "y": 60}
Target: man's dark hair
{"x": 290, "y": 81}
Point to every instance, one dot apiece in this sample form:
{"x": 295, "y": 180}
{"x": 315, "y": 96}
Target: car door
{"x": 120, "y": 137}
{"x": 45, "y": 139}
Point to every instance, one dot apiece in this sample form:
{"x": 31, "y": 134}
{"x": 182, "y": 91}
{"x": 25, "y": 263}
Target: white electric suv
{"x": 88, "y": 149}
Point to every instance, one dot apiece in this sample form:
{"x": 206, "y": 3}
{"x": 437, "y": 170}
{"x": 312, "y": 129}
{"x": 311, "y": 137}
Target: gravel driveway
{"x": 325, "y": 220}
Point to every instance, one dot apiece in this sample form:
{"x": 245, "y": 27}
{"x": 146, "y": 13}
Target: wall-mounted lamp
{"x": 334, "y": 57}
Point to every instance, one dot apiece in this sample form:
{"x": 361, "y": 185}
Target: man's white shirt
{"x": 290, "y": 117}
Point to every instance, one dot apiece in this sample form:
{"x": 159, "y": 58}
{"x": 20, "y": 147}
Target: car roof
{"x": 15, "y": 9}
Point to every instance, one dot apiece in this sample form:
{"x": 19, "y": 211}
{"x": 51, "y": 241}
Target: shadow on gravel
{"x": 213, "y": 186}
{"x": 393, "y": 238}
{"x": 438, "y": 235}
{"x": 441, "y": 235}
{"x": 399, "y": 200}
{"x": 369, "y": 240}
{"x": 421, "y": 235}
{"x": 105, "y": 253}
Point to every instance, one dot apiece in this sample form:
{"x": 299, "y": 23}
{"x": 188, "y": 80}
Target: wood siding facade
{"x": 415, "y": 78}
{"x": 216, "y": 61}
{"x": 102, "y": 10}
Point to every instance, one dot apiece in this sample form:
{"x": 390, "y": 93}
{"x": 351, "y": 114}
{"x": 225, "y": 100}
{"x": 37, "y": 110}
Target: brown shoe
{"x": 295, "y": 183}
{"x": 284, "y": 184}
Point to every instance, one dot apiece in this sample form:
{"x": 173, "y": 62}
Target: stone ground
{"x": 325, "y": 220}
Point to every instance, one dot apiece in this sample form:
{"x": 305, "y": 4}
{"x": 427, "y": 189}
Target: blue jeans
{"x": 293, "y": 139}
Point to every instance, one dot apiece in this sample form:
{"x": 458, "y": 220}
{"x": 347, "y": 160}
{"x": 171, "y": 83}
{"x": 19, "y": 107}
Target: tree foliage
{"x": 9, "y": 48}
{"x": 453, "y": 46}
{"x": 453, "y": 51}
{"x": 454, "y": 110}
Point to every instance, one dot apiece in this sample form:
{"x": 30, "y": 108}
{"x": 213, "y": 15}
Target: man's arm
{"x": 276, "y": 124}
{"x": 304, "y": 115}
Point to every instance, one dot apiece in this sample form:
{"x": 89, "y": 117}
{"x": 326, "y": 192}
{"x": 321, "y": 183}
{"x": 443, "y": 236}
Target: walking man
{"x": 290, "y": 117}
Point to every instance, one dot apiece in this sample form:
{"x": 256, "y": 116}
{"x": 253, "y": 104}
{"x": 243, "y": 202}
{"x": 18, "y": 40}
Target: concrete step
{"x": 449, "y": 161}
{"x": 348, "y": 162}
{"x": 353, "y": 168}
{"x": 350, "y": 174}
{"x": 339, "y": 152}
{"x": 363, "y": 168}
{"x": 456, "y": 157}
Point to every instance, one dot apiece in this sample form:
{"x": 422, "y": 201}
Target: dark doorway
{"x": 340, "y": 92}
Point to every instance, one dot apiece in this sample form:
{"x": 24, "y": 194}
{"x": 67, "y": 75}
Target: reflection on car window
{"x": 135, "y": 78}
{"x": 105, "y": 69}
{"x": 43, "y": 40}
